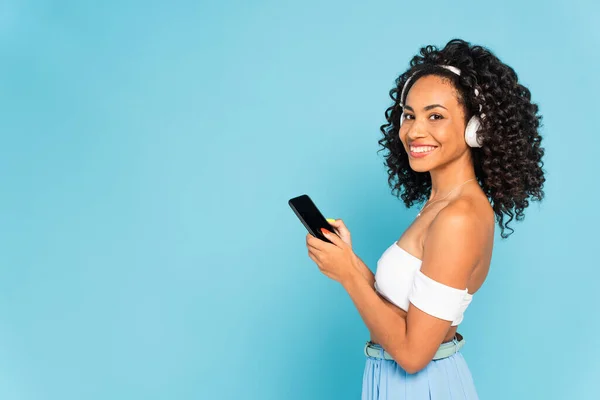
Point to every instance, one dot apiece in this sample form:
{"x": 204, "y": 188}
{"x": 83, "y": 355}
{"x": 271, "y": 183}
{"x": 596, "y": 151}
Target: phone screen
{"x": 310, "y": 216}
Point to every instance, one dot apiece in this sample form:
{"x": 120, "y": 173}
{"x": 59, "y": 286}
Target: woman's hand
{"x": 336, "y": 260}
{"x": 341, "y": 230}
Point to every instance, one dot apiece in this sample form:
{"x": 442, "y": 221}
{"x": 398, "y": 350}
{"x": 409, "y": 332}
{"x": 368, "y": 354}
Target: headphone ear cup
{"x": 471, "y": 132}
{"x": 401, "y": 119}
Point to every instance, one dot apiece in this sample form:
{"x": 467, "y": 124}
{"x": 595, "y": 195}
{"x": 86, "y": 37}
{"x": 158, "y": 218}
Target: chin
{"x": 420, "y": 165}
{"x": 429, "y": 162}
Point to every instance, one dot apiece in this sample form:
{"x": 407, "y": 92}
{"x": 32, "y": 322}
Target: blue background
{"x": 148, "y": 150}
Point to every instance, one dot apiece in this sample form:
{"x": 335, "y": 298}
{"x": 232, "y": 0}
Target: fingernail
{"x": 325, "y": 231}
{"x": 330, "y": 220}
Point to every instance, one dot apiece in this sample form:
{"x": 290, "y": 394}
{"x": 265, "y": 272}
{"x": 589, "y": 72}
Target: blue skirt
{"x": 447, "y": 378}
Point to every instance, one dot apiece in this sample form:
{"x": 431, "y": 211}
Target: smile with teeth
{"x": 422, "y": 149}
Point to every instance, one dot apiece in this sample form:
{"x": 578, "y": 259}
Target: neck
{"x": 449, "y": 176}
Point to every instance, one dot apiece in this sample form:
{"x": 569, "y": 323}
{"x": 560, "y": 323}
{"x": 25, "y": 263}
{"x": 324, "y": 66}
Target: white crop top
{"x": 399, "y": 279}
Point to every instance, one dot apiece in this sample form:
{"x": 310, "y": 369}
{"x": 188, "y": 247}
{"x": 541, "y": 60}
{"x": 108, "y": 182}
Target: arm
{"x": 365, "y": 272}
{"x": 344, "y": 234}
{"x": 451, "y": 250}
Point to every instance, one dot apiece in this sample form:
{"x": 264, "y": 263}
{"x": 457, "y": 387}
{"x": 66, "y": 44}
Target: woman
{"x": 463, "y": 135}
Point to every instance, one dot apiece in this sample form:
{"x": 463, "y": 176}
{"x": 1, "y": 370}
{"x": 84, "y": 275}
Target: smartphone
{"x": 310, "y": 216}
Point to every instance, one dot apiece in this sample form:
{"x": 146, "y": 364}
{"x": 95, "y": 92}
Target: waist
{"x": 445, "y": 350}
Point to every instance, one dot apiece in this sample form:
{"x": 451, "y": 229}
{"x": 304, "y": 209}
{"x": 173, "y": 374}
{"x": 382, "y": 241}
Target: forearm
{"x": 366, "y": 273}
{"x": 388, "y": 327}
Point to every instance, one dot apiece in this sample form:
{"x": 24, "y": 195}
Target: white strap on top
{"x": 437, "y": 299}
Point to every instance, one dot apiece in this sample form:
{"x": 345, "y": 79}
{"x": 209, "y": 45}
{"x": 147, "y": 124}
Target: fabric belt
{"x": 445, "y": 350}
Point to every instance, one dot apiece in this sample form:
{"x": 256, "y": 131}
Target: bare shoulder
{"x": 457, "y": 239}
{"x": 473, "y": 206}
{"x": 459, "y": 218}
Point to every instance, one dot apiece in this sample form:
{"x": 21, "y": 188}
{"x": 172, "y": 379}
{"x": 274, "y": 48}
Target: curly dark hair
{"x": 509, "y": 164}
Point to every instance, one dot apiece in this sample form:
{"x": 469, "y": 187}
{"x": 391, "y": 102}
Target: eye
{"x": 436, "y": 116}
{"x": 408, "y": 116}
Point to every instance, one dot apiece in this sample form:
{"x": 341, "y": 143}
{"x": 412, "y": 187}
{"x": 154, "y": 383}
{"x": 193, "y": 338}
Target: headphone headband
{"x": 448, "y": 67}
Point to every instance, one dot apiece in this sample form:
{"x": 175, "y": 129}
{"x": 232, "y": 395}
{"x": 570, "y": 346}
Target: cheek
{"x": 402, "y": 136}
{"x": 449, "y": 137}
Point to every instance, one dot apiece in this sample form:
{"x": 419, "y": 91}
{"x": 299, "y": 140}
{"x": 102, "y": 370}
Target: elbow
{"x": 411, "y": 362}
{"x": 413, "y": 367}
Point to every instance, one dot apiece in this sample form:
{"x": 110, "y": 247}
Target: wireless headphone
{"x": 471, "y": 137}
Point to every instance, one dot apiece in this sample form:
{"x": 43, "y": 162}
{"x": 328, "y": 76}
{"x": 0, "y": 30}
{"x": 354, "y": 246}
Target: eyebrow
{"x": 426, "y": 108}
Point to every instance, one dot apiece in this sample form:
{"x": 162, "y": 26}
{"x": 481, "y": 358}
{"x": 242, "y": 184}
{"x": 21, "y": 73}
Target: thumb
{"x": 339, "y": 226}
{"x": 335, "y": 239}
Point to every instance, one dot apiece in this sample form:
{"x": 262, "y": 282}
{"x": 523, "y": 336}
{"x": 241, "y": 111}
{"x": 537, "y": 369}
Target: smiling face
{"x": 433, "y": 128}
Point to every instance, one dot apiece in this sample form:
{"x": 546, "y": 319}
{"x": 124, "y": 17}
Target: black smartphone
{"x": 310, "y": 216}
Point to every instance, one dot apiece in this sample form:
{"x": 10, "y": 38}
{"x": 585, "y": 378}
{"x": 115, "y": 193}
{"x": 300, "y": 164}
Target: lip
{"x": 420, "y": 154}
{"x": 420, "y": 144}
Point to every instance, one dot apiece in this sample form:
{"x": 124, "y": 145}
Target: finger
{"x": 339, "y": 226}
{"x": 335, "y": 223}
{"x": 335, "y": 239}
{"x": 314, "y": 257}
{"x": 314, "y": 243}
{"x": 317, "y": 243}
{"x": 317, "y": 260}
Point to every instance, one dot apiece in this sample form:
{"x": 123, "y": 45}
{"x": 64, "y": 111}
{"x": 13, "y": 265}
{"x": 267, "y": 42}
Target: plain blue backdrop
{"x": 148, "y": 150}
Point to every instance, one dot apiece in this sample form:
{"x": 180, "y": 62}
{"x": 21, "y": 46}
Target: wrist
{"x": 354, "y": 273}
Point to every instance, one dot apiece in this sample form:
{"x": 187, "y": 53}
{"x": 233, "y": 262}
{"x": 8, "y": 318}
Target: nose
{"x": 415, "y": 130}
